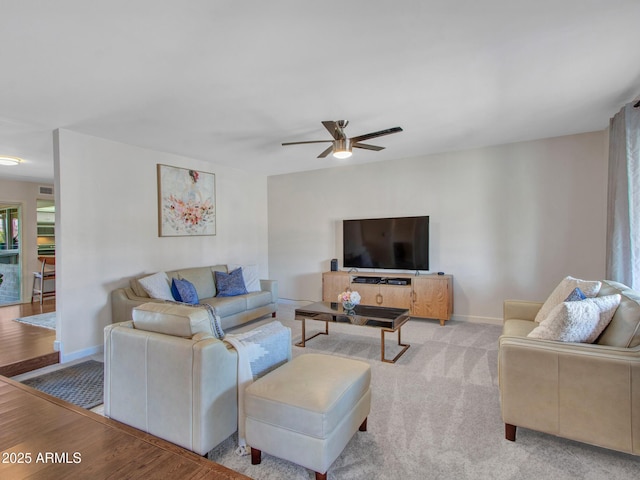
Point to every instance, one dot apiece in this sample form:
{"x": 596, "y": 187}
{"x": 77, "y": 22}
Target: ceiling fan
{"x": 341, "y": 144}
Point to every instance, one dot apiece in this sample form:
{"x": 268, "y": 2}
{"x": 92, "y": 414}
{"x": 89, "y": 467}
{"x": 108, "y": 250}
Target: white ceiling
{"x": 229, "y": 81}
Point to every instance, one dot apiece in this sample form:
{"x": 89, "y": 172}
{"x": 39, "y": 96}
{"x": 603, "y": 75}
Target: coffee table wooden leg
{"x": 304, "y": 333}
{"x": 382, "y": 349}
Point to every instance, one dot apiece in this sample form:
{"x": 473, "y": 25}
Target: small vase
{"x": 348, "y": 305}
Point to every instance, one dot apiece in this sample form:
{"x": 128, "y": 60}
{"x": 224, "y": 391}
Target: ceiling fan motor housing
{"x": 342, "y": 144}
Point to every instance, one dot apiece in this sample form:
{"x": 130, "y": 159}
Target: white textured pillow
{"x": 582, "y": 321}
{"x": 157, "y": 286}
{"x": 562, "y": 291}
{"x": 250, "y": 276}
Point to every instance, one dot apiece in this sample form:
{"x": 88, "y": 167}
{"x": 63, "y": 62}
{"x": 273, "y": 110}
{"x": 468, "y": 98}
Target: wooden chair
{"x": 47, "y": 272}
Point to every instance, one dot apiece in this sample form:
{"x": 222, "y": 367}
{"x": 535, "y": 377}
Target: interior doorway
{"x": 46, "y": 211}
{"x": 10, "y": 254}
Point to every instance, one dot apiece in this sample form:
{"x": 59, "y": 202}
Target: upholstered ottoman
{"x": 307, "y": 410}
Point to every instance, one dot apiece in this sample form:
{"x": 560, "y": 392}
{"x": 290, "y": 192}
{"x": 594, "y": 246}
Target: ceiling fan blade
{"x": 333, "y": 129}
{"x": 326, "y": 152}
{"x": 310, "y": 141}
{"x": 388, "y": 131}
{"x": 367, "y": 146}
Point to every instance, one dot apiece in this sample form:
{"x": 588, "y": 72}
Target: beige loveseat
{"x": 233, "y": 311}
{"x": 584, "y": 392}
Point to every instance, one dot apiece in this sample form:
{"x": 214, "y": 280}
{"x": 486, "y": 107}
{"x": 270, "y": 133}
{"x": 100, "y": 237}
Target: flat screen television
{"x": 396, "y": 243}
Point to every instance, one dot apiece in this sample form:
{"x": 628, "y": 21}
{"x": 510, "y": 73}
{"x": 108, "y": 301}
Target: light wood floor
{"x": 35, "y": 426}
{"x": 24, "y": 348}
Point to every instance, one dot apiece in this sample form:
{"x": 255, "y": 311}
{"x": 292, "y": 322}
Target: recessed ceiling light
{"x": 9, "y": 161}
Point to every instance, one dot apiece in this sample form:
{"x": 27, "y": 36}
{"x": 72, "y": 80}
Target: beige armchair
{"x": 171, "y": 378}
{"x": 584, "y": 392}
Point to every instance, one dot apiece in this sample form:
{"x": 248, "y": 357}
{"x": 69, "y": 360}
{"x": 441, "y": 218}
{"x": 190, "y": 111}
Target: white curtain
{"x": 623, "y": 214}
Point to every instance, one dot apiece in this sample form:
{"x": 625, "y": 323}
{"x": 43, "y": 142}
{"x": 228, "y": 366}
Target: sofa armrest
{"x": 584, "y": 392}
{"x": 521, "y": 310}
{"x": 123, "y": 301}
{"x": 270, "y": 286}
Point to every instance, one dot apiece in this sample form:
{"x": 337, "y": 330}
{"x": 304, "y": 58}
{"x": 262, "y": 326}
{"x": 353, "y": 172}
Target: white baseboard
{"x": 476, "y": 319}
{"x": 298, "y": 303}
{"x": 87, "y": 352}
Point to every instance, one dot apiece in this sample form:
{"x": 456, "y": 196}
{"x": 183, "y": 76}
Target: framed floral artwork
{"x": 186, "y": 202}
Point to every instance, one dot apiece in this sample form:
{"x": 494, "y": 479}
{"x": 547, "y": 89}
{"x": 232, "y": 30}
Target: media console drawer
{"x": 426, "y": 296}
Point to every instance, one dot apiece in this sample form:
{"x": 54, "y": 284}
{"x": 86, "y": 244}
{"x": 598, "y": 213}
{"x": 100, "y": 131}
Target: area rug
{"x": 80, "y": 384}
{"x": 44, "y": 320}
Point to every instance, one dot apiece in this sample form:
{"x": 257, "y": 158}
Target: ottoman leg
{"x": 321, "y": 476}
{"x": 363, "y": 427}
{"x": 256, "y": 456}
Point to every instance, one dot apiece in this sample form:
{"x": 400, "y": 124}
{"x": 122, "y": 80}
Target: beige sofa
{"x": 166, "y": 374}
{"x": 233, "y": 311}
{"x": 584, "y": 392}
{"x": 182, "y": 388}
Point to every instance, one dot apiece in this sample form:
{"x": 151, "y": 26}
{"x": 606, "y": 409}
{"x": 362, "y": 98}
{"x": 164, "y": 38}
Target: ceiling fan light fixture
{"x": 342, "y": 148}
{"x": 342, "y": 154}
{"x": 9, "y": 161}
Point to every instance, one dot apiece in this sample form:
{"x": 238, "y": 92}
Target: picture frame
{"x": 186, "y": 202}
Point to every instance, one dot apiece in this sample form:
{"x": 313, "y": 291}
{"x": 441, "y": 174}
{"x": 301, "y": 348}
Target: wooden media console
{"x": 425, "y": 296}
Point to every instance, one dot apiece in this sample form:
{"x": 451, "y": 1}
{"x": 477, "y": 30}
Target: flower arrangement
{"x": 349, "y": 299}
{"x": 190, "y": 215}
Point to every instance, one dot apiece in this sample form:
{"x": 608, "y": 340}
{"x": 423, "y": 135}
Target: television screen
{"x": 398, "y": 243}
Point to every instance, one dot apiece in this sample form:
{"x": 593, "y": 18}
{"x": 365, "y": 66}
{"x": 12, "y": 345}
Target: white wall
{"x": 106, "y": 197}
{"x": 507, "y": 222}
{"x": 26, "y": 195}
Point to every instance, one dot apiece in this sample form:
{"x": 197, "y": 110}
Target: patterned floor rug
{"x": 44, "y": 320}
{"x": 80, "y": 384}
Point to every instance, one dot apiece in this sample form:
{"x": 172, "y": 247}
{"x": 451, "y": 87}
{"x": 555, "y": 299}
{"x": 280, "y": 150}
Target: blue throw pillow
{"x": 576, "y": 295}
{"x": 174, "y": 291}
{"x": 230, "y": 284}
{"x": 184, "y": 291}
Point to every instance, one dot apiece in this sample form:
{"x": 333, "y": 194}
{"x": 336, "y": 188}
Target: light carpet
{"x": 44, "y": 320}
{"x": 435, "y": 414}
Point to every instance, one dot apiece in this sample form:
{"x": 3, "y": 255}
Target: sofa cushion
{"x": 562, "y": 291}
{"x": 157, "y": 286}
{"x": 230, "y": 284}
{"x": 581, "y": 321}
{"x": 227, "y": 306}
{"x": 171, "y": 319}
{"x": 258, "y": 299}
{"x": 250, "y": 275}
{"x": 184, "y": 291}
{"x": 134, "y": 284}
{"x": 200, "y": 277}
{"x": 624, "y": 329}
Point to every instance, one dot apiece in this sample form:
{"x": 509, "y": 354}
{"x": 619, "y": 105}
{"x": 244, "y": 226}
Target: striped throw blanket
{"x": 259, "y": 351}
